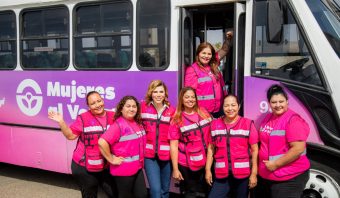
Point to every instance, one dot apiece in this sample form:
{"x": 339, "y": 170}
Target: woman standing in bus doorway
{"x": 205, "y": 77}
{"x": 156, "y": 115}
{"x": 123, "y": 147}
{"x": 234, "y": 149}
{"x": 88, "y": 165}
{"x": 283, "y": 164}
{"x": 189, "y": 134}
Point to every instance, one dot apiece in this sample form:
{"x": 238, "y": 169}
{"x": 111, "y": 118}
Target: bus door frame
{"x": 186, "y": 43}
{"x": 238, "y": 52}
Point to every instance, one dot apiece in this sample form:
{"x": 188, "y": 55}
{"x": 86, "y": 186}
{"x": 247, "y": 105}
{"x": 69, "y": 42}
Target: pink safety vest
{"x": 193, "y": 142}
{"x": 209, "y": 90}
{"x": 157, "y": 128}
{"x": 235, "y": 141}
{"x": 92, "y": 130}
{"x": 131, "y": 146}
{"x": 278, "y": 146}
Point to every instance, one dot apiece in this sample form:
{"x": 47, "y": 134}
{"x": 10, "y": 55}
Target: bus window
{"x": 45, "y": 38}
{"x": 327, "y": 15}
{"x": 103, "y": 36}
{"x": 8, "y": 49}
{"x": 153, "y": 38}
{"x": 290, "y": 59}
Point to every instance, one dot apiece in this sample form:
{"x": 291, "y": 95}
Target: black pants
{"x": 89, "y": 182}
{"x": 194, "y": 184}
{"x": 282, "y": 189}
{"x": 131, "y": 186}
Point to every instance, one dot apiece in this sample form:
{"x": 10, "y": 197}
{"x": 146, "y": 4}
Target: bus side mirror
{"x": 274, "y": 21}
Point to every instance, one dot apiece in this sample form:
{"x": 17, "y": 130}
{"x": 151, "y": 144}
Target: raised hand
{"x": 55, "y": 116}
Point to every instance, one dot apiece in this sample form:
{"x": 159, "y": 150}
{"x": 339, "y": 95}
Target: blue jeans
{"x": 221, "y": 187}
{"x": 158, "y": 174}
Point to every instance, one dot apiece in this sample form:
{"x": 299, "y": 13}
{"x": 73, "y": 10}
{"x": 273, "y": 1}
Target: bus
{"x": 52, "y": 52}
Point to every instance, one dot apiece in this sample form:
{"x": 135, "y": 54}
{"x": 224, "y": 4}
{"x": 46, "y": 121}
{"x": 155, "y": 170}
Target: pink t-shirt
{"x": 295, "y": 131}
{"x": 112, "y": 135}
{"x": 77, "y": 129}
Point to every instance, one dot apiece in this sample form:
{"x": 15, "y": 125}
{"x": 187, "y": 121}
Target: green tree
{"x": 218, "y": 45}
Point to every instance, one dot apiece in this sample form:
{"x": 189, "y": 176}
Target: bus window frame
{"x": 21, "y": 37}
{"x": 4, "y": 12}
{"x": 138, "y": 52}
{"x": 303, "y": 34}
{"x": 96, "y": 35}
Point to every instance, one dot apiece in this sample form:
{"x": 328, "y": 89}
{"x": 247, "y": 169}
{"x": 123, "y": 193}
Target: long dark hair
{"x": 121, "y": 104}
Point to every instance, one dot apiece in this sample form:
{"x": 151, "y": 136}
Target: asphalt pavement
{"x": 22, "y": 182}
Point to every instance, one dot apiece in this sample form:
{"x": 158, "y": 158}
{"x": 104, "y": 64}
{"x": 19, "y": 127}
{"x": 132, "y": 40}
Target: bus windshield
{"x": 327, "y": 14}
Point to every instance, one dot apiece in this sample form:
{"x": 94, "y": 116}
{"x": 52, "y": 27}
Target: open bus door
{"x": 238, "y": 51}
{"x": 205, "y": 23}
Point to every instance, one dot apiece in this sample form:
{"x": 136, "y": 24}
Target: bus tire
{"x": 323, "y": 182}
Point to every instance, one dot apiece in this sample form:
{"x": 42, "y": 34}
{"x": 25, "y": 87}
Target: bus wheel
{"x": 323, "y": 182}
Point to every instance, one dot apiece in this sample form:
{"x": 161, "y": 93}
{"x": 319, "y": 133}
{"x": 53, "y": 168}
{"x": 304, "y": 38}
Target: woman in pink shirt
{"x": 283, "y": 164}
{"x": 189, "y": 134}
{"x": 88, "y": 165}
{"x": 123, "y": 147}
{"x": 204, "y": 76}
{"x": 234, "y": 152}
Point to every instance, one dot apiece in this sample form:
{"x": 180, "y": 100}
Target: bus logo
{"x": 29, "y": 103}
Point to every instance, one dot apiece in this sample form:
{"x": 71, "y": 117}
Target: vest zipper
{"x": 159, "y": 116}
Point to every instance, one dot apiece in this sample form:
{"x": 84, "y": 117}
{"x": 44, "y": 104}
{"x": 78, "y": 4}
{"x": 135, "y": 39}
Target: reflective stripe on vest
{"x": 154, "y": 117}
{"x": 239, "y": 132}
{"x": 206, "y": 97}
{"x": 194, "y": 125}
{"x": 205, "y": 121}
{"x": 220, "y": 165}
{"x": 278, "y": 133}
{"x": 196, "y": 158}
{"x": 188, "y": 127}
{"x": 275, "y": 157}
{"x": 149, "y": 146}
{"x": 164, "y": 148}
{"x": 132, "y": 136}
{"x": 95, "y": 162}
{"x": 93, "y": 129}
{"x": 218, "y": 132}
{"x": 241, "y": 165}
{"x": 149, "y": 115}
{"x": 204, "y": 79}
{"x": 131, "y": 159}
{"x": 165, "y": 118}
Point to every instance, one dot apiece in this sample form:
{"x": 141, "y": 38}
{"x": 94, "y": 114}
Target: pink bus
{"x": 52, "y": 52}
